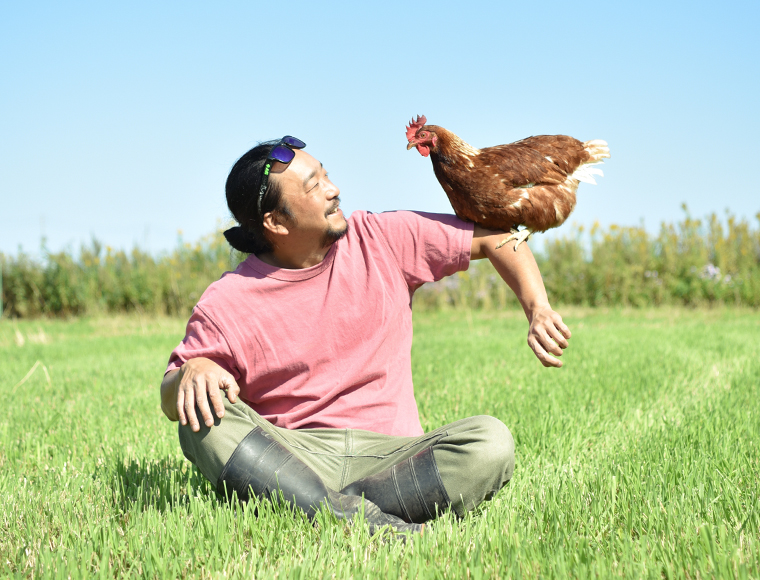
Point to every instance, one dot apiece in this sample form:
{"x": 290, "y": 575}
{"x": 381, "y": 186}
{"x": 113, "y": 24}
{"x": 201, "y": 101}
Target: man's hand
{"x": 548, "y": 336}
{"x": 197, "y": 382}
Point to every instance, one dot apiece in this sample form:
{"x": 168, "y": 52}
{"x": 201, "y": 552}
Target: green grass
{"x": 638, "y": 459}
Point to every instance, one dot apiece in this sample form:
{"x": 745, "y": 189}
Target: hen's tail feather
{"x": 597, "y": 150}
{"x": 586, "y": 173}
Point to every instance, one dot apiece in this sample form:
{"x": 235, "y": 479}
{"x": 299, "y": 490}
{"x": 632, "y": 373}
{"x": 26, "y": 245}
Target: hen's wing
{"x": 538, "y": 160}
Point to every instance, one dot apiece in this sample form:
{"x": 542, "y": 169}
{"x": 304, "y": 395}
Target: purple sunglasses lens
{"x": 282, "y": 154}
{"x": 293, "y": 142}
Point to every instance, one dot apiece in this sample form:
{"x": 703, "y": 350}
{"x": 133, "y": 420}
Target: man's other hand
{"x": 195, "y": 383}
{"x": 547, "y": 336}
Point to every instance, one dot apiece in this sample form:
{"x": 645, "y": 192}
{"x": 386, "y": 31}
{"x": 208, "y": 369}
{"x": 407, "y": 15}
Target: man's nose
{"x": 333, "y": 191}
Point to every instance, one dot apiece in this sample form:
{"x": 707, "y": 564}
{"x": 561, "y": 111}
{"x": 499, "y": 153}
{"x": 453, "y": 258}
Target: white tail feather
{"x": 586, "y": 174}
{"x": 581, "y": 175}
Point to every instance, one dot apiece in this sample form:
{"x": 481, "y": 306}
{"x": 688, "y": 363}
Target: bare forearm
{"x": 547, "y": 334}
{"x": 520, "y": 271}
{"x": 169, "y": 395}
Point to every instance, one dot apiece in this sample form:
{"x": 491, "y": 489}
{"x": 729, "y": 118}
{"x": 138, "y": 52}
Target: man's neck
{"x": 294, "y": 259}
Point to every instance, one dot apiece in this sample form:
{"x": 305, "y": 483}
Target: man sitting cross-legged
{"x": 294, "y": 375}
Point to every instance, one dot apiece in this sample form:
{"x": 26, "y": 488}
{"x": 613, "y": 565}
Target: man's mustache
{"x": 333, "y": 207}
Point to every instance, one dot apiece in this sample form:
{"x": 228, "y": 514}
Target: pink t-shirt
{"x": 330, "y": 346}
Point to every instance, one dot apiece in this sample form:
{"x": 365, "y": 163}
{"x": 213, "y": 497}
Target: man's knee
{"x": 204, "y": 449}
{"x": 481, "y": 441}
{"x": 476, "y": 458}
{"x": 497, "y": 446}
{"x": 211, "y": 447}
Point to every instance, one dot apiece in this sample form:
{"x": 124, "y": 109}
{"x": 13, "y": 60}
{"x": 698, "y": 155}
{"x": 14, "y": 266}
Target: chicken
{"x": 530, "y": 182}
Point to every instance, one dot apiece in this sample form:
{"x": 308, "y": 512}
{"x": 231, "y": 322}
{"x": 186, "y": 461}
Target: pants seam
{"x": 438, "y": 476}
{"x": 399, "y": 495}
{"x": 349, "y": 454}
{"x": 346, "y": 460}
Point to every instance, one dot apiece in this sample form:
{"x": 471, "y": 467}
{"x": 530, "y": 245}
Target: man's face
{"x": 312, "y": 199}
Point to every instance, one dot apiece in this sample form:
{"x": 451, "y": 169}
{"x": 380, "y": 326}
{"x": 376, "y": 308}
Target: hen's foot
{"x": 521, "y": 236}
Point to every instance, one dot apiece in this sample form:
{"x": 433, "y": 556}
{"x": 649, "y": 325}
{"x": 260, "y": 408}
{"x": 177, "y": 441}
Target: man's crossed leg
{"x": 456, "y": 466}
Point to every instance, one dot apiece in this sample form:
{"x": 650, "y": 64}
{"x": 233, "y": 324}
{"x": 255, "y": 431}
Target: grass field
{"x": 638, "y": 459}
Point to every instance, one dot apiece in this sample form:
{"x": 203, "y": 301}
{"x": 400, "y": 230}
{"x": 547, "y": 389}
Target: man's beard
{"x": 332, "y": 235}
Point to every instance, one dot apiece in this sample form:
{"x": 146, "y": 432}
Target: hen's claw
{"x": 521, "y": 236}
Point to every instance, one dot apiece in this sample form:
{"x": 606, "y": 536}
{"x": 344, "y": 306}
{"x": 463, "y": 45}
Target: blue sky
{"x": 121, "y": 120}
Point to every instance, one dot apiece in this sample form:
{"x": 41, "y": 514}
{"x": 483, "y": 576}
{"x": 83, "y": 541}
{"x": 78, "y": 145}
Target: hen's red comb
{"x": 415, "y": 126}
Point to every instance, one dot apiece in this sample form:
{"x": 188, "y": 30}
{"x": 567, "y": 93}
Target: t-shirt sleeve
{"x": 203, "y": 338}
{"x": 426, "y": 246}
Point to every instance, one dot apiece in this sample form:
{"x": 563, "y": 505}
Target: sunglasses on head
{"x": 282, "y": 152}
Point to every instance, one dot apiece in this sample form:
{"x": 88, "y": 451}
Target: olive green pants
{"x": 475, "y": 456}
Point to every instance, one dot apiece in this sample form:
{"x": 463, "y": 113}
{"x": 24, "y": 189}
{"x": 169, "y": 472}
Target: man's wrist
{"x": 535, "y": 308}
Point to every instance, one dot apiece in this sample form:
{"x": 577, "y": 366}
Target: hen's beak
{"x": 410, "y": 145}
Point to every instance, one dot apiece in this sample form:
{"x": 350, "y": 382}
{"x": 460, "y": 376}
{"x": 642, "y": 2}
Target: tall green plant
{"x": 692, "y": 262}
{"x": 106, "y": 280}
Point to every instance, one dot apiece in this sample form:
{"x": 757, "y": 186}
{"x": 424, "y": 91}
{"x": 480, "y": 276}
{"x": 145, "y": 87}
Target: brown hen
{"x": 530, "y": 182}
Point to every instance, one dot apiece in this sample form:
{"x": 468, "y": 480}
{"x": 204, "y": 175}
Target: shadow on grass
{"x": 160, "y": 484}
{"x": 168, "y": 483}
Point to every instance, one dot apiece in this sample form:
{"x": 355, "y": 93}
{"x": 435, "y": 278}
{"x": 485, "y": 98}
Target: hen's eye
{"x": 423, "y": 134}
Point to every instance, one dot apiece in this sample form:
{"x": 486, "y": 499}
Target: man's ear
{"x": 274, "y": 223}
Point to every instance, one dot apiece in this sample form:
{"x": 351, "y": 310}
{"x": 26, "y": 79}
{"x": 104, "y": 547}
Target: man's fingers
{"x": 189, "y": 407}
{"x": 199, "y": 395}
{"x": 231, "y": 387}
{"x": 545, "y": 340}
{"x": 548, "y": 335}
{"x": 181, "y": 407}
{"x": 555, "y": 334}
{"x": 216, "y": 400}
{"x": 201, "y": 399}
{"x": 546, "y": 359}
{"x": 549, "y": 345}
{"x": 562, "y": 327}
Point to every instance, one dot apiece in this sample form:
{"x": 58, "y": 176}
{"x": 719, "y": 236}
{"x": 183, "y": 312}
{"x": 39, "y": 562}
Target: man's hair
{"x": 242, "y": 189}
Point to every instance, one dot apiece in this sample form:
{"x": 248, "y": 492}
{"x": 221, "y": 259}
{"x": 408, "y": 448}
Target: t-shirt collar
{"x": 291, "y": 275}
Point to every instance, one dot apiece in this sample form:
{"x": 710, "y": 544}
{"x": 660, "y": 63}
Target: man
{"x": 313, "y": 332}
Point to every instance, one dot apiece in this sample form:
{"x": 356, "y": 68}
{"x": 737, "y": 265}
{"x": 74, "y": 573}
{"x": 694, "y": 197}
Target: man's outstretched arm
{"x": 547, "y": 334}
{"x": 197, "y": 382}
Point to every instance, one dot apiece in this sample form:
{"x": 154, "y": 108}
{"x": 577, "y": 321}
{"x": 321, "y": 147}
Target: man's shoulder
{"x": 390, "y": 222}
{"x": 368, "y": 227}
{"x": 404, "y": 217}
{"x": 224, "y": 291}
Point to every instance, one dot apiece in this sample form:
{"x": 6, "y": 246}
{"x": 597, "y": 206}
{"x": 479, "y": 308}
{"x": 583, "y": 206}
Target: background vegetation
{"x": 693, "y": 262}
{"x": 638, "y": 459}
